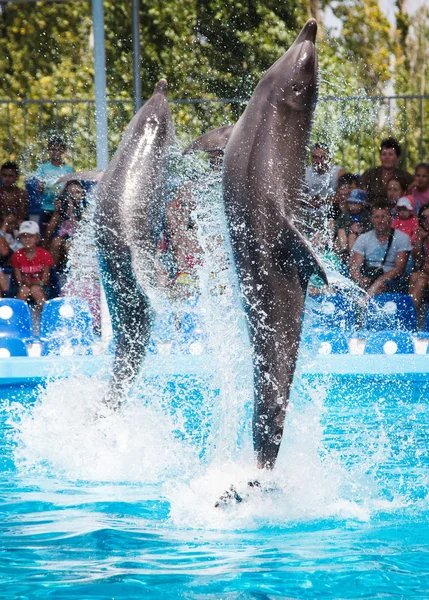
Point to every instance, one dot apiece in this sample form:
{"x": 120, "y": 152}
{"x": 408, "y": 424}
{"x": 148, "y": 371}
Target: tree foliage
{"x": 366, "y": 41}
{"x": 206, "y": 49}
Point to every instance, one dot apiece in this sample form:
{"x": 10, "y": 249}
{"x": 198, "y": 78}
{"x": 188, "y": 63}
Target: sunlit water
{"x": 123, "y": 507}
{"x": 101, "y": 505}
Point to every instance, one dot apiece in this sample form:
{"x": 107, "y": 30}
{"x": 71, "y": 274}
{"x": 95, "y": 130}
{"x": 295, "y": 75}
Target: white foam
{"x": 70, "y": 433}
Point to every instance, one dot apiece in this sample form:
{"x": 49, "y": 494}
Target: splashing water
{"x": 191, "y": 434}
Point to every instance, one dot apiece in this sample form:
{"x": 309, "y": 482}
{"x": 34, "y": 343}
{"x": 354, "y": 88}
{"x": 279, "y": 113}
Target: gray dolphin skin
{"x": 263, "y": 176}
{"x": 129, "y": 213}
{"x": 211, "y": 141}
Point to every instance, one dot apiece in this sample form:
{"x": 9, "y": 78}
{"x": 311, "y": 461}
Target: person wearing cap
{"x": 354, "y": 221}
{"x": 31, "y": 266}
{"x": 379, "y": 257}
{"x": 48, "y": 175}
{"x": 406, "y": 220}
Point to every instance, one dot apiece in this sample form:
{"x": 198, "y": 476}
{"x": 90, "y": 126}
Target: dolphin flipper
{"x": 216, "y": 139}
{"x": 296, "y": 251}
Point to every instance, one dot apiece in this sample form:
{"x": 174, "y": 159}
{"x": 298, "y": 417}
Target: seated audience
{"x": 178, "y": 247}
{"x": 420, "y": 186}
{"x": 395, "y": 189}
{"x": 321, "y": 182}
{"x": 31, "y": 266}
{"x": 8, "y": 242}
{"x": 4, "y": 286}
{"x": 379, "y": 257}
{"x": 374, "y": 181}
{"x": 346, "y": 183}
{"x": 353, "y": 222}
{"x": 48, "y": 174}
{"x": 419, "y": 279}
{"x": 69, "y": 210}
{"x": 406, "y": 220}
{"x": 12, "y": 198}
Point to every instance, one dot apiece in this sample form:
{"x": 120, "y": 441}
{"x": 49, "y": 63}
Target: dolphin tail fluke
{"x": 214, "y": 140}
{"x": 297, "y": 252}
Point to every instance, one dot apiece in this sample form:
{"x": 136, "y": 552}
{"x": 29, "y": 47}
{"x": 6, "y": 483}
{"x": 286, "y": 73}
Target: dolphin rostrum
{"x": 128, "y": 217}
{"x": 262, "y": 180}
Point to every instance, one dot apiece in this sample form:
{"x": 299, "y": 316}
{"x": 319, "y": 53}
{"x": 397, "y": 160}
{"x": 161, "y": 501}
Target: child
{"x": 353, "y": 222}
{"x": 31, "y": 266}
{"x": 420, "y": 186}
{"x": 69, "y": 209}
{"x": 406, "y": 220}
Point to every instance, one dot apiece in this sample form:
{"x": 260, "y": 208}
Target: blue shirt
{"x": 49, "y": 174}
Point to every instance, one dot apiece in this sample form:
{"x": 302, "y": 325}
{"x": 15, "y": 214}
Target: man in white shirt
{"x": 379, "y": 257}
{"x": 321, "y": 179}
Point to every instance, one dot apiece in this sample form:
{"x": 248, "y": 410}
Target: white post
{"x": 101, "y": 130}
{"x": 100, "y": 85}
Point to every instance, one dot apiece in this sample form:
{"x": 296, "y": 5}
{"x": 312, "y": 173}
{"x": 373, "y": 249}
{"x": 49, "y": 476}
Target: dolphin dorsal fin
{"x": 216, "y": 139}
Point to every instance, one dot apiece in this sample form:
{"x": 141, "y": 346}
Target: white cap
{"x": 406, "y": 202}
{"x": 30, "y": 227}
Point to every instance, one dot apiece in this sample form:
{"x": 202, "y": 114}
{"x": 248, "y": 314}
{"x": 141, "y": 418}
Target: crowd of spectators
{"x": 376, "y": 224}
{"x": 37, "y": 225}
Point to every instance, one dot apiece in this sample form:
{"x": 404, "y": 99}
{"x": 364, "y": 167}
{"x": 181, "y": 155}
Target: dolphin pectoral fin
{"x": 296, "y": 251}
{"x": 216, "y": 139}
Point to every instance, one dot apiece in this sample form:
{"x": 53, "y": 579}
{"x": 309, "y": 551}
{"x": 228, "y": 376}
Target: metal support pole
{"x": 100, "y": 85}
{"x": 137, "y": 83}
{"x": 101, "y": 127}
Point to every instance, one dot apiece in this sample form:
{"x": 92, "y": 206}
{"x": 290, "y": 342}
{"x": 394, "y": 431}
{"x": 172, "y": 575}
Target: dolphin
{"x": 211, "y": 141}
{"x": 128, "y": 216}
{"x": 264, "y": 166}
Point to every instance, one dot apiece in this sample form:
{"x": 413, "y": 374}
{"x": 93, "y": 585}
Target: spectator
{"x": 179, "y": 248}
{"x": 69, "y": 209}
{"x": 406, "y": 220}
{"x": 31, "y": 266}
{"x": 379, "y": 257}
{"x": 322, "y": 182}
{"x": 395, "y": 189}
{"x": 419, "y": 279}
{"x": 346, "y": 183}
{"x": 48, "y": 174}
{"x": 8, "y": 242}
{"x": 374, "y": 181}
{"x": 353, "y": 222}
{"x": 4, "y": 287}
{"x": 12, "y": 198}
{"x": 420, "y": 186}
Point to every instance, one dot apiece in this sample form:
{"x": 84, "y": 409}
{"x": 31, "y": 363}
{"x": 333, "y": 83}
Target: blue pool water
{"x": 123, "y": 508}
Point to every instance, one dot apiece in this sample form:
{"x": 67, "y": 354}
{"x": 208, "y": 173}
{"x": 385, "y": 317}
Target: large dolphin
{"x": 129, "y": 214}
{"x": 263, "y": 178}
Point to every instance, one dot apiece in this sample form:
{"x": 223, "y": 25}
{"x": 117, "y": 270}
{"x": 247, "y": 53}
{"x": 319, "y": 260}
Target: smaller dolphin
{"x": 263, "y": 179}
{"x": 211, "y": 141}
{"x": 129, "y": 214}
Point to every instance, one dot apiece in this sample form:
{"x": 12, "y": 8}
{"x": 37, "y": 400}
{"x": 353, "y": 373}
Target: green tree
{"x": 366, "y": 41}
{"x": 45, "y": 49}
